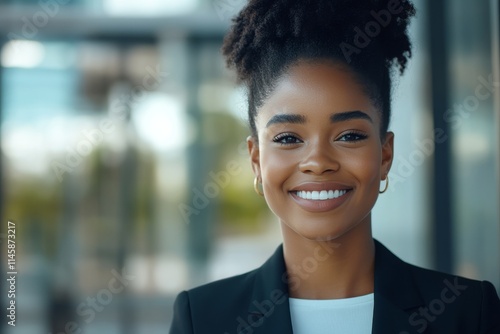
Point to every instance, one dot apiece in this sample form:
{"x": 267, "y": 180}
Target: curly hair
{"x": 368, "y": 36}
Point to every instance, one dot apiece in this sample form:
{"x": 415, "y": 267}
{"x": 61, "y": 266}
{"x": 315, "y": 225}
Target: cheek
{"x": 278, "y": 165}
{"x": 365, "y": 166}
{"x": 276, "y": 170}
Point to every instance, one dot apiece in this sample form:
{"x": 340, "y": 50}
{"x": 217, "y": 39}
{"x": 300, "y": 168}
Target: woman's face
{"x": 319, "y": 153}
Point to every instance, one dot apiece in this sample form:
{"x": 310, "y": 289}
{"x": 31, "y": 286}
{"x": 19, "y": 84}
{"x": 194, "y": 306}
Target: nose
{"x": 319, "y": 159}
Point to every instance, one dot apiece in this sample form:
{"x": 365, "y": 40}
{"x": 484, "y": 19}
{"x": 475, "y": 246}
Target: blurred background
{"x": 124, "y": 163}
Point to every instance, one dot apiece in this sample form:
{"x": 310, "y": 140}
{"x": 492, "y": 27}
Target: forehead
{"x": 312, "y": 87}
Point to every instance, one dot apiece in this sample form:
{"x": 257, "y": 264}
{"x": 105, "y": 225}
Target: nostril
{"x": 319, "y": 167}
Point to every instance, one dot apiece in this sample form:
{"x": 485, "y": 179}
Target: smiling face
{"x": 319, "y": 153}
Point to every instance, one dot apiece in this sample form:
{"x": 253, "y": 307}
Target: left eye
{"x": 352, "y": 136}
{"x": 286, "y": 139}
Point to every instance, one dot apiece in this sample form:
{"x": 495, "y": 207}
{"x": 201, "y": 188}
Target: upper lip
{"x": 318, "y": 186}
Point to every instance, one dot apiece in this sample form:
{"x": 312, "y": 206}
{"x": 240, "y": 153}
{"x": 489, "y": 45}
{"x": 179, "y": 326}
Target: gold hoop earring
{"x": 256, "y": 186}
{"x": 386, "y": 185}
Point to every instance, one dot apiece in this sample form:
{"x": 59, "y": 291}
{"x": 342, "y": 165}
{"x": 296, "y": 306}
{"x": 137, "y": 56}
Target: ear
{"x": 253, "y": 150}
{"x": 387, "y": 154}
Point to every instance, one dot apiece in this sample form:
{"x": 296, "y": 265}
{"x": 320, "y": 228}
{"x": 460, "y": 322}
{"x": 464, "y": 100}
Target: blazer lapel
{"x": 396, "y": 295}
{"x": 269, "y": 308}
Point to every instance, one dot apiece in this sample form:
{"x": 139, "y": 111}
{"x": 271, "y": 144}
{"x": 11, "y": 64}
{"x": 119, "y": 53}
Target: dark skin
{"x": 321, "y": 159}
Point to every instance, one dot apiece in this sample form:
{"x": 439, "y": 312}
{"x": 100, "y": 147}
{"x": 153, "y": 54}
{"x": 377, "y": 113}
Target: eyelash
{"x": 282, "y": 136}
{"x": 279, "y": 139}
{"x": 359, "y": 136}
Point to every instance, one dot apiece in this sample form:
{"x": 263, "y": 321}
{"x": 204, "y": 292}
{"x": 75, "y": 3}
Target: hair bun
{"x": 351, "y": 26}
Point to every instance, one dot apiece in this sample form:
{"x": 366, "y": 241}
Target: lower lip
{"x": 321, "y": 205}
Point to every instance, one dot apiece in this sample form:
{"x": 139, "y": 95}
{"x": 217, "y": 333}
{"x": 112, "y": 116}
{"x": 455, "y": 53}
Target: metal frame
{"x": 442, "y": 222}
{"x": 75, "y": 22}
{"x": 495, "y": 55}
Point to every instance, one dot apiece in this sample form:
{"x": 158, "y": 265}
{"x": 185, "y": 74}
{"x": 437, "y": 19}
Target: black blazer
{"x": 408, "y": 299}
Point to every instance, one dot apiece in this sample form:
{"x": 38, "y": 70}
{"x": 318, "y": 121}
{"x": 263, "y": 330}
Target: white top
{"x": 330, "y": 316}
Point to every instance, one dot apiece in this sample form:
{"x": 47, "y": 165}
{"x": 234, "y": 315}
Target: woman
{"x": 318, "y": 75}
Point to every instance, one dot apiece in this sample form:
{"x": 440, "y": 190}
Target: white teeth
{"x": 321, "y": 195}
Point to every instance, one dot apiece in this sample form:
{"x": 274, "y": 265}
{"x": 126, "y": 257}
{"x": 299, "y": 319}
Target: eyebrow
{"x": 334, "y": 118}
{"x": 286, "y": 118}
{"x": 348, "y": 115}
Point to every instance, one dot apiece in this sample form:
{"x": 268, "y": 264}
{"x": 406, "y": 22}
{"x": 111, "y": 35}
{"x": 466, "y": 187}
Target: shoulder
{"x": 470, "y": 305}
{"x": 434, "y": 284}
{"x": 226, "y": 304}
{"x": 397, "y": 272}
{"x": 444, "y": 301}
{"x": 217, "y": 305}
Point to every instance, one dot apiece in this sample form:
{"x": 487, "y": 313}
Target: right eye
{"x": 286, "y": 139}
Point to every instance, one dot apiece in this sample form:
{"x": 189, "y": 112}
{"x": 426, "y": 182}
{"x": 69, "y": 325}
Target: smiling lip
{"x": 321, "y": 196}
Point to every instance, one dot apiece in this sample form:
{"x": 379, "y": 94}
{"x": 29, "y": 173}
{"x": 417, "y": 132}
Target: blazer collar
{"x": 269, "y": 306}
{"x": 396, "y": 295}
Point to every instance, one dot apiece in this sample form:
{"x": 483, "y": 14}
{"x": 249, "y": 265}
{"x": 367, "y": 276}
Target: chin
{"x": 320, "y": 230}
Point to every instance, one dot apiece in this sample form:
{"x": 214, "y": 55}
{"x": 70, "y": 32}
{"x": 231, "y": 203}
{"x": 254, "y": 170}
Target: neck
{"x": 333, "y": 269}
